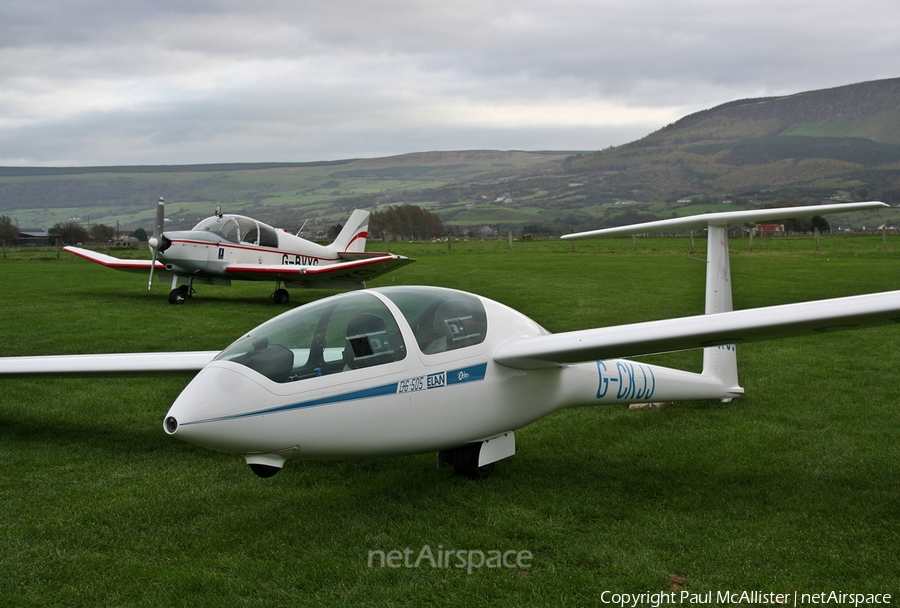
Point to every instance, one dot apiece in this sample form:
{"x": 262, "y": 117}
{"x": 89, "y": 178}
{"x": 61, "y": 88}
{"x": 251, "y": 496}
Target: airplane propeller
{"x": 155, "y": 240}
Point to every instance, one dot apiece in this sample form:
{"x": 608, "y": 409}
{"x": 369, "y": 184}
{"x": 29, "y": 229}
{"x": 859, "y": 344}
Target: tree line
{"x": 9, "y": 232}
{"x": 405, "y": 223}
{"x": 67, "y": 233}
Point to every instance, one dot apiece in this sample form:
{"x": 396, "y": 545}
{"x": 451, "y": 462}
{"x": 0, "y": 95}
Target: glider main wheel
{"x": 465, "y": 463}
{"x": 178, "y": 296}
{"x": 281, "y": 296}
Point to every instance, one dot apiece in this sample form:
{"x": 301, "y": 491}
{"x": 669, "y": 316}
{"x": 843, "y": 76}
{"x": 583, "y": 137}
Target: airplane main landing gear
{"x": 281, "y": 296}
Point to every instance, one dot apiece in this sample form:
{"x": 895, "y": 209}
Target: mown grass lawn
{"x": 793, "y": 487}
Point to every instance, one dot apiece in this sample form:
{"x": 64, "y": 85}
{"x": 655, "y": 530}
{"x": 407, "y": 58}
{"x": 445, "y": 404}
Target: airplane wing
{"x": 701, "y": 331}
{"x": 187, "y": 361}
{"x": 355, "y": 271}
{"x": 117, "y": 263}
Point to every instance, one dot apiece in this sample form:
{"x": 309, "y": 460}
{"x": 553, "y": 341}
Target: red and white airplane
{"x": 226, "y": 247}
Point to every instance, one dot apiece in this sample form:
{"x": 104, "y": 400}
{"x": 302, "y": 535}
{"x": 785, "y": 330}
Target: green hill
{"x": 841, "y": 143}
{"x": 816, "y": 144}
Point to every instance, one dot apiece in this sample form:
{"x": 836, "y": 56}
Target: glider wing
{"x": 701, "y": 331}
{"x": 124, "y": 363}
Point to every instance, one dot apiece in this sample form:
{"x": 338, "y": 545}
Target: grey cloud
{"x": 95, "y": 81}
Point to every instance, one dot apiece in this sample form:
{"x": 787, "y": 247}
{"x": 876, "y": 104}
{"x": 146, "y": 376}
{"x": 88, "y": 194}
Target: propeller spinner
{"x": 155, "y": 240}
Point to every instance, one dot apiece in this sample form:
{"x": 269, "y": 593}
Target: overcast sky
{"x": 120, "y": 82}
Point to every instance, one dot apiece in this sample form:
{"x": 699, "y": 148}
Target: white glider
{"x": 414, "y": 369}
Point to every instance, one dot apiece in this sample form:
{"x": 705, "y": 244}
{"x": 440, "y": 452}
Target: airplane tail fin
{"x": 354, "y": 233}
{"x": 720, "y": 362}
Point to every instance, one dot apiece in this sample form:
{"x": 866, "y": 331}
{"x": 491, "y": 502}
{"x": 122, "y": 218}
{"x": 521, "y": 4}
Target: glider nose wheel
{"x": 263, "y": 470}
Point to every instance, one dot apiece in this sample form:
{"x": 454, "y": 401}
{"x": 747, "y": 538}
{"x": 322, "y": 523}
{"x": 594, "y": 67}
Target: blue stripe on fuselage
{"x": 468, "y": 374}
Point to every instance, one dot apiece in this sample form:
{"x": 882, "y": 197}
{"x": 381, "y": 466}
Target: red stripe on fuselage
{"x": 290, "y": 269}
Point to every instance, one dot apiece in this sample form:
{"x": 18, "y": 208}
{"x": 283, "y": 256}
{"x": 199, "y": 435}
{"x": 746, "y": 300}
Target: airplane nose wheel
{"x": 179, "y": 294}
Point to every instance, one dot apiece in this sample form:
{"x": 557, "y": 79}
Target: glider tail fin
{"x": 719, "y": 361}
{"x": 354, "y": 233}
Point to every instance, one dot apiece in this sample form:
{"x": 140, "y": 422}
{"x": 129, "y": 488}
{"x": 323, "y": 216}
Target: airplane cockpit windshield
{"x": 240, "y": 229}
{"x": 357, "y": 330}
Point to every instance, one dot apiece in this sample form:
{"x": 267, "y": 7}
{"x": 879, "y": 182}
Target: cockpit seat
{"x": 272, "y": 361}
{"x": 367, "y": 342}
{"x": 456, "y": 325}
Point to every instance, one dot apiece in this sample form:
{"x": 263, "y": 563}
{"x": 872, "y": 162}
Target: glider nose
{"x": 212, "y": 410}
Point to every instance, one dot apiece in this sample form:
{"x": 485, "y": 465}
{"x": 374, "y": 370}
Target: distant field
{"x": 281, "y": 193}
{"x": 793, "y": 487}
{"x": 525, "y": 192}
{"x": 880, "y": 127}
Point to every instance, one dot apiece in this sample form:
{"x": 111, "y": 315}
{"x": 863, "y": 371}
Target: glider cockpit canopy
{"x": 358, "y": 330}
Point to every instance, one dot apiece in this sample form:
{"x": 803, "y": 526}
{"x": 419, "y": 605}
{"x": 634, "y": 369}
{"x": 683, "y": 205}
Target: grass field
{"x": 793, "y": 487}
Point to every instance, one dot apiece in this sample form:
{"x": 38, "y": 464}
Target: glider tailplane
{"x": 354, "y": 233}
{"x": 719, "y": 362}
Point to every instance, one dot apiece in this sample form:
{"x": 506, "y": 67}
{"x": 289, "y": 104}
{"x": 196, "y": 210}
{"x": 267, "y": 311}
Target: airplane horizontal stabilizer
{"x": 124, "y": 363}
{"x": 356, "y": 271}
{"x": 727, "y": 218}
{"x": 352, "y": 256}
{"x": 701, "y": 331}
{"x": 113, "y": 262}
